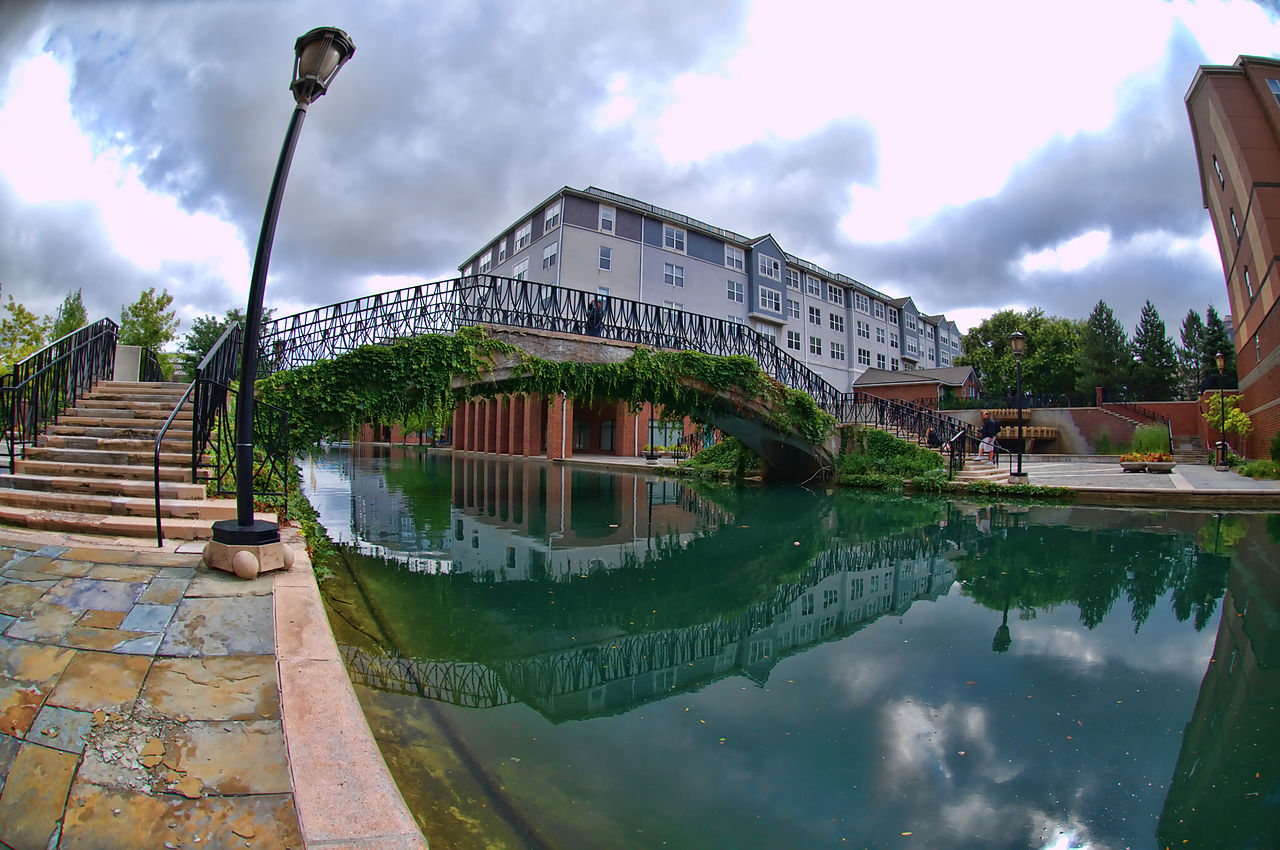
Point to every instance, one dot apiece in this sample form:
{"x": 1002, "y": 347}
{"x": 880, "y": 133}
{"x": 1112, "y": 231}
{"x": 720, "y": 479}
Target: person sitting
{"x": 595, "y": 318}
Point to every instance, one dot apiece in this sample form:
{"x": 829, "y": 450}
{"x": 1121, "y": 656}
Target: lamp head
{"x": 319, "y": 55}
{"x": 1221, "y": 360}
{"x": 1018, "y": 340}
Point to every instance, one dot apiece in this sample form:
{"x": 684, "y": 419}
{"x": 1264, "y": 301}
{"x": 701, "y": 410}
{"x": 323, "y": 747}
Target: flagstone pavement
{"x": 141, "y": 706}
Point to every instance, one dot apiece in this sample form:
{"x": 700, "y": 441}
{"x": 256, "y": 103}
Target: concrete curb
{"x": 344, "y": 794}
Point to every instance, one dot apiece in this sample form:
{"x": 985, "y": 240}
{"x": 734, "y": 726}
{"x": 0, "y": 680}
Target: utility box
{"x": 128, "y": 363}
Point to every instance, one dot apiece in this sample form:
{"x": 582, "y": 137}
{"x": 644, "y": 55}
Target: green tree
{"x": 1155, "y": 363}
{"x": 1214, "y": 341}
{"x": 205, "y": 331}
{"x": 1223, "y": 415}
{"x": 1104, "y": 359}
{"x": 1190, "y": 369}
{"x": 1050, "y": 361}
{"x": 71, "y": 316}
{"x": 21, "y": 334}
{"x": 148, "y": 321}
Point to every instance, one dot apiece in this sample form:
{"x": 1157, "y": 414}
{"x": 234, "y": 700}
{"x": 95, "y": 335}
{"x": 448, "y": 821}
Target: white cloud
{"x": 1070, "y": 255}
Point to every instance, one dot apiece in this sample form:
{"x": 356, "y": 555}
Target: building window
{"x": 879, "y": 361}
{"x": 829, "y": 598}
{"x": 769, "y": 334}
{"x": 673, "y": 275}
{"x": 521, "y": 271}
{"x": 836, "y": 322}
{"x": 864, "y": 357}
{"x": 813, "y": 286}
{"x": 891, "y": 315}
{"x": 467, "y": 271}
{"x": 606, "y": 219}
{"x": 549, "y": 255}
{"x": 815, "y": 316}
{"x": 911, "y": 346}
{"x": 879, "y": 309}
{"x": 815, "y": 345}
{"x": 928, "y": 331}
{"x": 880, "y": 335}
{"x": 837, "y": 351}
{"x": 1217, "y": 169}
{"x": 673, "y": 305}
{"x": 770, "y": 268}
{"x": 502, "y": 250}
{"x": 551, "y": 217}
{"x": 862, "y": 302}
{"x": 835, "y": 294}
{"x": 770, "y": 299}
{"x": 930, "y": 353}
{"x": 523, "y": 235}
{"x": 735, "y": 291}
{"x": 734, "y": 320}
{"x": 793, "y": 278}
{"x": 1248, "y": 284}
{"x": 606, "y": 258}
{"x": 486, "y": 262}
{"x": 793, "y": 308}
{"x": 1274, "y": 85}
{"x": 806, "y": 605}
{"x": 734, "y": 258}
{"x": 672, "y": 238}
{"x": 1234, "y": 225}
{"x": 864, "y": 329}
{"x": 893, "y": 339}
{"x": 911, "y": 322}
{"x": 793, "y": 340}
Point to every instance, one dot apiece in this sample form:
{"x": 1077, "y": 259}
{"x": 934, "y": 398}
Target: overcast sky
{"x": 973, "y": 156}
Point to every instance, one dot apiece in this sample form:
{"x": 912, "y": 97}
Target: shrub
{"x": 1275, "y": 447}
{"x": 1151, "y": 438}
{"x": 727, "y": 455}
{"x": 1104, "y": 446}
{"x": 1260, "y": 469}
{"x": 872, "y": 452}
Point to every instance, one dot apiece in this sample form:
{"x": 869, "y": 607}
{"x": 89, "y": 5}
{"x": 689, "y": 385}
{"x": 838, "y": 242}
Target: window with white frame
{"x": 880, "y": 335}
{"x": 735, "y": 320}
{"x": 521, "y": 271}
{"x": 606, "y": 219}
{"x": 837, "y": 351}
{"x": 815, "y": 316}
{"x": 793, "y": 308}
{"x": 672, "y": 275}
{"x": 815, "y": 345}
{"x": 893, "y": 365}
{"x": 502, "y": 250}
{"x": 861, "y": 302}
{"x": 769, "y": 333}
{"x": 893, "y": 339}
{"x": 928, "y": 331}
{"x": 945, "y": 360}
{"x": 606, "y": 258}
{"x": 1274, "y": 85}
{"x": 770, "y": 268}
{"x": 735, "y": 291}
{"x": 891, "y": 315}
{"x": 770, "y": 299}
{"x": 673, "y": 238}
{"x": 812, "y": 286}
{"x": 549, "y": 255}
{"x": 864, "y": 357}
{"x": 467, "y": 271}
{"x": 486, "y": 262}
{"x": 1234, "y": 224}
{"x": 551, "y": 217}
{"x": 523, "y": 235}
{"x": 930, "y": 355}
{"x": 835, "y": 321}
{"x": 864, "y": 329}
{"x": 911, "y": 346}
{"x": 793, "y": 278}
{"x": 1217, "y": 169}
{"x": 878, "y": 309}
{"x": 673, "y": 305}
{"x": 879, "y": 361}
{"x": 793, "y": 340}
{"x": 1248, "y": 283}
{"x": 734, "y": 258}
{"x": 835, "y": 294}
{"x": 911, "y": 321}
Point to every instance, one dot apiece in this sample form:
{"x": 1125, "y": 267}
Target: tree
{"x": 148, "y": 321}
{"x": 1155, "y": 367}
{"x": 1190, "y": 369}
{"x": 1217, "y": 341}
{"x": 1105, "y": 359}
{"x": 21, "y": 334}
{"x": 71, "y": 317}
{"x": 1050, "y": 360}
{"x": 205, "y": 332}
{"x": 1223, "y": 415}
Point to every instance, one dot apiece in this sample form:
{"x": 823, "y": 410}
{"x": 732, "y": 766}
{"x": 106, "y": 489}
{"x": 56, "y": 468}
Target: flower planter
{"x": 1133, "y": 465}
{"x": 1147, "y": 465}
{"x": 1160, "y": 466}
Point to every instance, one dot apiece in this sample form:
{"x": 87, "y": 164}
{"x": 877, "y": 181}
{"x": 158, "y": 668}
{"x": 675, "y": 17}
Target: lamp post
{"x": 1222, "y": 414}
{"x": 1018, "y": 341}
{"x": 318, "y": 56}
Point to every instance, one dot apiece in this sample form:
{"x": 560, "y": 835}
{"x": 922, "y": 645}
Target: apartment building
{"x": 598, "y": 241}
{"x": 1235, "y": 123}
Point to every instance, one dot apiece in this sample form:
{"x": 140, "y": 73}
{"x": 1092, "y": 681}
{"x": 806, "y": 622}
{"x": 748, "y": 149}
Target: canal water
{"x": 553, "y": 656}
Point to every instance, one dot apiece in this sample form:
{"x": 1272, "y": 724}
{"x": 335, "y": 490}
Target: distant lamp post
{"x": 1018, "y": 341}
{"x": 1222, "y": 413}
{"x": 319, "y": 55}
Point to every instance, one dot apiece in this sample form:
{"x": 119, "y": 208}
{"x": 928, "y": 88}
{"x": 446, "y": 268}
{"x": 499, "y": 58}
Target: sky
{"x": 973, "y": 156}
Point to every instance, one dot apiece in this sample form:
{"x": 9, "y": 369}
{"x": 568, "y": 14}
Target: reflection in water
{"x": 777, "y": 620}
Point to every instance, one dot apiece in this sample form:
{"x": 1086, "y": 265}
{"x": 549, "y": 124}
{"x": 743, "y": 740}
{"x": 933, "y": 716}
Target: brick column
{"x": 516, "y": 424}
{"x": 534, "y": 425}
{"x": 559, "y": 427}
{"x": 624, "y": 432}
{"x": 502, "y": 429}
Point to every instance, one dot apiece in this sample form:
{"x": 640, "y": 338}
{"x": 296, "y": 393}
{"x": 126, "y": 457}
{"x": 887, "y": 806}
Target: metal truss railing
{"x": 445, "y": 306}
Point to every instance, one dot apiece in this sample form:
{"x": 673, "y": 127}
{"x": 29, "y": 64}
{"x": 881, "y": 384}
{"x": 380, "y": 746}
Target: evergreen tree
{"x": 1190, "y": 370}
{"x": 1155, "y": 364}
{"x": 148, "y": 321}
{"x": 71, "y": 316}
{"x": 1104, "y": 359}
{"x": 1214, "y": 341}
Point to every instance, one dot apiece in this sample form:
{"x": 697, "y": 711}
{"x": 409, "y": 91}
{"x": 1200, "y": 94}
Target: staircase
{"x": 93, "y": 472}
{"x": 978, "y": 469}
{"x": 1189, "y": 450}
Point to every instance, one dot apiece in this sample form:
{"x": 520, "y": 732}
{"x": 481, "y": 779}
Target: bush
{"x": 1260, "y": 469}
{"x": 727, "y": 455}
{"x": 1151, "y": 438}
{"x": 872, "y": 452}
{"x": 932, "y": 481}
{"x": 1275, "y": 447}
{"x": 1104, "y": 446}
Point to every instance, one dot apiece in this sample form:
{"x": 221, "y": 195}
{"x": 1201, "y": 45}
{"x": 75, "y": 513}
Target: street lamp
{"x": 1222, "y": 414}
{"x": 1018, "y": 341}
{"x": 318, "y": 56}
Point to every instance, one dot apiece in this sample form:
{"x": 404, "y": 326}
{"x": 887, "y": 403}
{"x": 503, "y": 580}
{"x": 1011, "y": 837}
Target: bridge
{"x": 553, "y": 320}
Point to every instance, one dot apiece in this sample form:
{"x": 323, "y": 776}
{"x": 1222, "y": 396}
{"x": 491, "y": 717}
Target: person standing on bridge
{"x": 595, "y": 318}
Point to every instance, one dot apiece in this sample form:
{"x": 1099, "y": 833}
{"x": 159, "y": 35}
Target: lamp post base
{"x": 1019, "y": 478}
{"x": 247, "y": 550}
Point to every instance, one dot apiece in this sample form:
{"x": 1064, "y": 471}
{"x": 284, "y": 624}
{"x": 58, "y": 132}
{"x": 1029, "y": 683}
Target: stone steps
{"x": 54, "y": 468}
{"x": 96, "y": 503}
{"x": 124, "y": 457}
{"x": 982, "y": 470}
{"x": 103, "y": 524}
{"x": 169, "y": 489}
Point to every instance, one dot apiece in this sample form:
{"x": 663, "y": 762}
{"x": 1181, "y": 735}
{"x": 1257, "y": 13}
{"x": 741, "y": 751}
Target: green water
{"x": 558, "y": 657}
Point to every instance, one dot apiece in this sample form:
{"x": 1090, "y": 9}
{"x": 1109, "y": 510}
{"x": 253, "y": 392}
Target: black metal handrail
{"x": 48, "y": 382}
{"x": 160, "y": 435}
{"x": 270, "y": 435}
{"x": 149, "y": 370}
{"x": 445, "y": 306}
{"x": 1141, "y": 412}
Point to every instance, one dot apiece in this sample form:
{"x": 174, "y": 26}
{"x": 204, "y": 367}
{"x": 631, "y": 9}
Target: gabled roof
{"x": 951, "y": 376}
